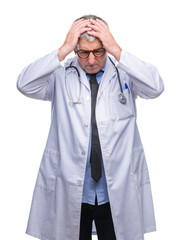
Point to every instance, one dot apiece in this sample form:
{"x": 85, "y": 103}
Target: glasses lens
{"x": 83, "y": 54}
{"x": 99, "y": 52}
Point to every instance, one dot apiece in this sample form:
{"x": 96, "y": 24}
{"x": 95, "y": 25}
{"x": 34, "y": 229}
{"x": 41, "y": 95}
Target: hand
{"x": 102, "y": 32}
{"x": 72, "y": 37}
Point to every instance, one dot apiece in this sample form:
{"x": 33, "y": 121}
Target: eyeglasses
{"x": 85, "y": 54}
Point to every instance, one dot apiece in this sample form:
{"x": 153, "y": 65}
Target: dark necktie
{"x": 95, "y": 157}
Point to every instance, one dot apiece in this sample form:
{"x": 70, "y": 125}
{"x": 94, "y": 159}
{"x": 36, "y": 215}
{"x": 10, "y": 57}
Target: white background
{"x": 148, "y": 29}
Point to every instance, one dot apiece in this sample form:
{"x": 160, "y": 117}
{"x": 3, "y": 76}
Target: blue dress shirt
{"x": 92, "y": 188}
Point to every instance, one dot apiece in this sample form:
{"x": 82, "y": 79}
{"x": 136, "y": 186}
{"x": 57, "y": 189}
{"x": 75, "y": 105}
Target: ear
{"x": 76, "y": 48}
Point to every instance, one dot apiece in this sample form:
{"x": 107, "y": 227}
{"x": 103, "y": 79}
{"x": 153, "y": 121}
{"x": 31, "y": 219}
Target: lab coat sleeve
{"x": 146, "y": 81}
{"x": 37, "y": 79}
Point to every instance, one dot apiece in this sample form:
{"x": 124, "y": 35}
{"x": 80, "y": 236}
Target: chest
{"x": 73, "y": 98}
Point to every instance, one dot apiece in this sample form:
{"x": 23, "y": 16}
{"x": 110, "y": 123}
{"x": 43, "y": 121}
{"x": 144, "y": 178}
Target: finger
{"x": 80, "y": 22}
{"x": 84, "y": 26}
{"x": 85, "y": 29}
{"x": 97, "y": 23}
{"x": 81, "y": 27}
{"x": 98, "y": 27}
{"x": 98, "y": 32}
{"x": 94, "y": 27}
{"x": 75, "y": 31}
{"x": 94, "y": 34}
{"x": 103, "y": 24}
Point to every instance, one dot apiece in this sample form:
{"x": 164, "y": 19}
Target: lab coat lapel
{"x": 109, "y": 73}
{"x": 83, "y": 77}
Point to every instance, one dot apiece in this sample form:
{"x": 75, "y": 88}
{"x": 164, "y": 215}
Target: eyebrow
{"x": 90, "y": 50}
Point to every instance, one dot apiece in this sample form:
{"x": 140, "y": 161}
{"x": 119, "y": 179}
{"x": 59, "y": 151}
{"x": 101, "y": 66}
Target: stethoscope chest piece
{"x": 122, "y": 98}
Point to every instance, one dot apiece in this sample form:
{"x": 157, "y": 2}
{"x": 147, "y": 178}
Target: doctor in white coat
{"x": 64, "y": 183}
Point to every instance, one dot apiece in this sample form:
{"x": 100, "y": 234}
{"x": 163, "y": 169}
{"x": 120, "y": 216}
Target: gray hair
{"x": 85, "y": 34}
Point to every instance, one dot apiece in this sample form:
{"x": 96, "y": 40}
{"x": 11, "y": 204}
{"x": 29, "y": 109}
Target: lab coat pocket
{"x": 139, "y": 168}
{"x": 48, "y": 170}
{"x": 119, "y": 110}
{"x": 142, "y": 193}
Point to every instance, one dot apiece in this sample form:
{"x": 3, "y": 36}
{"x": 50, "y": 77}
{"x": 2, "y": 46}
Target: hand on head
{"x": 72, "y": 37}
{"x": 101, "y": 31}
{"x": 96, "y": 28}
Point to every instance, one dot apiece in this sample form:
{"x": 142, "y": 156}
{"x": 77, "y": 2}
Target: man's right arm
{"x": 36, "y": 80}
{"x": 72, "y": 37}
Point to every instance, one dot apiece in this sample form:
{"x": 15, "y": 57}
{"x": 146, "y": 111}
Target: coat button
{"x": 86, "y": 125}
{"x": 83, "y": 153}
{"x": 79, "y": 182}
{"x": 88, "y": 98}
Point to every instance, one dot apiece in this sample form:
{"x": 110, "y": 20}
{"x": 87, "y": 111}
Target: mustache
{"x": 91, "y": 64}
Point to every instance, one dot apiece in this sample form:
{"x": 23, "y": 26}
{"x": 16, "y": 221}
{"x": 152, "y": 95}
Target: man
{"x": 93, "y": 167}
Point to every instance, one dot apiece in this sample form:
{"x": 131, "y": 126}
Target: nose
{"x": 91, "y": 58}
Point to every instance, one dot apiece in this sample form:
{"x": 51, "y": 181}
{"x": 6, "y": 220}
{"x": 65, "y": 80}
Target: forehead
{"x": 87, "y": 45}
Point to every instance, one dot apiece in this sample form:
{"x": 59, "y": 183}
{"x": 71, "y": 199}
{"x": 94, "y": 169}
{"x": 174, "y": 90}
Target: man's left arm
{"x": 145, "y": 78}
{"x": 102, "y": 32}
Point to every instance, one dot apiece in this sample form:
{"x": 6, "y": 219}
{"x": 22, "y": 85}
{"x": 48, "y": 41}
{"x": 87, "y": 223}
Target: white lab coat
{"x": 56, "y": 204}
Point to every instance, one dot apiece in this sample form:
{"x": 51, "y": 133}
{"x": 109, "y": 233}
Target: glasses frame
{"x": 88, "y": 52}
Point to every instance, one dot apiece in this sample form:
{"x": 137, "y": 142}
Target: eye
{"x": 99, "y": 52}
{"x": 83, "y": 53}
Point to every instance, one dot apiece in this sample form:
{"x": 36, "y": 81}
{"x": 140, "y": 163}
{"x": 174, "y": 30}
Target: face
{"x": 91, "y": 64}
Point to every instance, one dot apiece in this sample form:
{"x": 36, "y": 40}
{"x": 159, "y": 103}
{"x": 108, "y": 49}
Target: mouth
{"x": 92, "y": 66}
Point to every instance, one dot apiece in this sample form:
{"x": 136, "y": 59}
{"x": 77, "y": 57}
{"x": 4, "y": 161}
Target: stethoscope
{"x": 121, "y": 96}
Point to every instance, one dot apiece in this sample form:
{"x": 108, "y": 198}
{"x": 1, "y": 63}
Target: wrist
{"x": 62, "y": 53}
{"x": 117, "y": 53}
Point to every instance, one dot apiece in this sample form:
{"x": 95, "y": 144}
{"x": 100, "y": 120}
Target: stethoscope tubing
{"x": 121, "y": 96}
